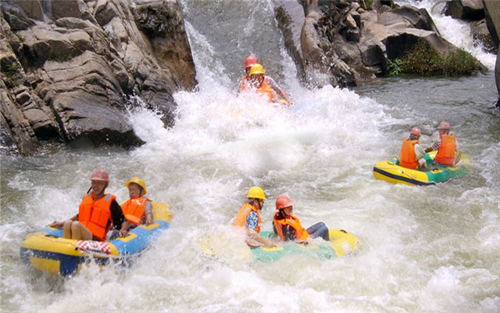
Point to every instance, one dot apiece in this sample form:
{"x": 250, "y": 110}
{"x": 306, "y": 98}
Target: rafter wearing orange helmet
{"x": 97, "y": 213}
{"x": 244, "y": 83}
{"x": 288, "y": 227}
{"x": 446, "y": 145}
{"x": 412, "y": 154}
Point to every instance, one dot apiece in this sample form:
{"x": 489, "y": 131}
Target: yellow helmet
{"x": 257, "y": 69}
{"x": 138, "y": 181}
{"x": 256, "y": 193}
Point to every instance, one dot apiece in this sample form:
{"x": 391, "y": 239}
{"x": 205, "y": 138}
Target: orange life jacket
{"x": 265, "y": 88}
{"x": 134, "y": 209}
{"x": 407, "y": 156}
{"x": 96, "y": 215}
{"x": 241, "y": 217}
{"x": 244, "y": 82}
{"x": 293, "y": 221}
{"x": 447, "y": 149}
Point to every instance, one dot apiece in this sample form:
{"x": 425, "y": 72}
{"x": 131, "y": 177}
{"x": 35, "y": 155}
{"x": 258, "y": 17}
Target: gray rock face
{"x": 343, "y": 44}
{"x": 465, "y": 9}
{"x": 497, "y": 76}
{"x": 70, "y": 68}
{"x": 492, "y": 10}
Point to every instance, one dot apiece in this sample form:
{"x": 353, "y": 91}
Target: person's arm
{"x": 434, "y": 146}
{"x": 149, "y": 213}
{"x": 271, "y": 82}
{"x": 252, "y": 234}
{"x": 119, "y": 219}
{"x": 251, "y": 225}
{"x": 419, "y": 154}
{"x": 57, "y": 224}
{"x": 457, "y": 153}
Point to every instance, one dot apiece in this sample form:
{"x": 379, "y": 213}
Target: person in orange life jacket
{"x": 244, "y": 82}
{"x": 448, "y": 153}
{"x": 249, "y": 217}
{"x": 412, "y": 154}
{"x": 98, "y": 211}
{"x": 257, "y": 81}
{"x": 138, "y": 209}
{"x": 287, "y": 226}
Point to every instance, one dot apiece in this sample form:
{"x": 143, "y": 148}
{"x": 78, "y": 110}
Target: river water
{"x": 425, "y": 249}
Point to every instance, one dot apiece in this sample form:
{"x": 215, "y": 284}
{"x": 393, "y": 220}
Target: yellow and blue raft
{"x": 47, "y": 251}
{"x": 392, "y": 172}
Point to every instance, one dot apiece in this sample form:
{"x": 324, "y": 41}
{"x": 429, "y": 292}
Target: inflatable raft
{"x": 47, "y": 251}
{"x": 341, "y": 244}
{"x": 390, "y": 171}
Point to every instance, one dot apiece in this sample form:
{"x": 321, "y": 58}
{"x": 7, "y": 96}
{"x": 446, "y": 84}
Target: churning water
{"x": 425, "y": 249}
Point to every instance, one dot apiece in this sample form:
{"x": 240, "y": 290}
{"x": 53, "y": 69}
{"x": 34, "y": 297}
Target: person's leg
{"x": 67, "y": 229}
{"x": 80, "y": 232}
{"x": 319, "y": 230}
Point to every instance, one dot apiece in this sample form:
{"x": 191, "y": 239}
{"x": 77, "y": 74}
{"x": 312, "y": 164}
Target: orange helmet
{"x": 415, "y": 130}
{"x": 444, "y": 125}
{"x": 283, "y": 202}
{"x": 251, "y": 60}
{"x": 100, "y": 174}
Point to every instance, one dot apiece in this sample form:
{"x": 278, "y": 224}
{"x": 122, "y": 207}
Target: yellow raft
{"x": 47, "y": 251}
{"x": 390, "y": 171}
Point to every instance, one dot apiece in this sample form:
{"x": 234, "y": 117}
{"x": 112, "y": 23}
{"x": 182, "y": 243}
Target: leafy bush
{"x": 424, "y": 60}
{"x": 458, "y": 63}
{"x": 395, "y": 67}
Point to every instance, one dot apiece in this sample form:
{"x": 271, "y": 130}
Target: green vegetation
{"x": 459, "y": 63}
{"x": 395, "y": 67}
{"x": 11, "y": 73}
{"x": 366, "y": 4}
{"x": 57, "y": 56}
{"x": 423, "y": 60}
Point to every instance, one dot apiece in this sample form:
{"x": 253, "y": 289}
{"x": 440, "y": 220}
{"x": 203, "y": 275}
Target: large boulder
{"x": 290, "y": 16}
{"x": 492, "y": 11}
{"x": 465, "y": 9}
{"x": 497, "y": 76}
{"x": 74, "y": 75}
{"x": 343, "y": 44}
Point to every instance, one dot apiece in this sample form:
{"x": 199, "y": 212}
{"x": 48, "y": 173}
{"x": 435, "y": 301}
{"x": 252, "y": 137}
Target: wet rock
{"x": 492, "y": 11}
{"x": 16, "y": 18}
{"x": 482, "y": 36}
{"x": 343, "y": 44}
{"x": 492, "y": 17}
{"x": 465, "y": 9}
{"x": 290, "y": 16}
{"x": 72, "y": 75}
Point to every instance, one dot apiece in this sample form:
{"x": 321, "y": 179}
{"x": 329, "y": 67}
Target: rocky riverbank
{"x": 71, "y": 68}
